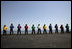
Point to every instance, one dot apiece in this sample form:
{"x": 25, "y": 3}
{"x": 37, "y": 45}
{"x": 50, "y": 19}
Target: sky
{"x": 35, "y": 12}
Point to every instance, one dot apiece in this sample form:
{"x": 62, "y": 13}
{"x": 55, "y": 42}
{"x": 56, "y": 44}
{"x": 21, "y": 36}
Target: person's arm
{"x": 27, "y": 26}
{"x": 46, "y": 27}
{"x": 6, "y": 28}
{"x": 20, "y": 27}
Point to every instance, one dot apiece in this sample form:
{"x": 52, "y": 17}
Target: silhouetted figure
{"x": 67, "y": 28}
{"x": 11, "y": 29}
{"x": 33, "y": 29}
{"x": 19, "y": 27}
{"x": 56, "y": 28}
{"x": 45, "y": 31}
{"x": 26, "y": 29}
{"x": 50, "y": 28}
{"x": 62, "y": 29}
{"x": 39, "y": 29}
{"x": 4, "y": 30}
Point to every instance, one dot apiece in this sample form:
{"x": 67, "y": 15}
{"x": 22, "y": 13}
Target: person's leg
{"x": 27, "y": 31}
{"x": 46, "y": 31}
{"x": 57, "y": 30}
{"x": 68, "y": 30}
{"x": 17, "y": 32}
{"x": 20, "y": 32}
{"x": 10, "y": 31}
{"x": 3, "y": 32}
{"x": 34, "y": 31}
{"x": 49, "y": 31}
{"x": 40, "y": 31}
{"x": 61, "y": 30}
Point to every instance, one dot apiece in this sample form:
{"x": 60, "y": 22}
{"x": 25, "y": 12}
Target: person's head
{"x": 44, "y": 24}
{"x": 56, "y": 24}
{"x": 11, "y": 24}
{"x": 50, "y": 24}
{"x": 67, "y": 24}
{"x": 33, "y": 24}
{"x": 26, "y": 24}
{"x": 38, "y": 24}
{"x": 4, "y": 25}
{"x": 61, "y": 25}
{"x": 18, "y": 24}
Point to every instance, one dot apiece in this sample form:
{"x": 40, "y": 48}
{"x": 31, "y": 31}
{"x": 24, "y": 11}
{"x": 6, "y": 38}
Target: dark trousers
{"x": 4, "y": 32}
{"x": 11, "y": 31}
{"x": 18, "y": 31}
{"x": 44, "y": 32}
{"x": 62, "y": 30}
{"x": 67, "y": 30}
{"x": 39, "y": 31}
{"x": 33, "y": 31}
{"x": 56, "y": 31}
{"x": 50, "y": 31}
{"x": 26, "y": 31}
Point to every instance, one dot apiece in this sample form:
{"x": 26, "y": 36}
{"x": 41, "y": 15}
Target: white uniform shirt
{"x": 38, "y": 27}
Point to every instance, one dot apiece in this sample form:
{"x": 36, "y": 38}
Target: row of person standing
{"x": 33, "y": 29}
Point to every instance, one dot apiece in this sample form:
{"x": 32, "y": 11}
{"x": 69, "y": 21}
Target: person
{"x": 44, "y": 27}
{"x": 39, "y": 29}
{"x": 50, "y": 28}
{"x": 19, "y": 27}
{"x": 62, "y": 29}
{"x": 33, "y": 29}
{"x": 11, "y": 29}
{"x": 4, "y": 30}
{"x": 26, "y": 29}
{"x": 67, "y": 28}
{"x": 56, "y": 28}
